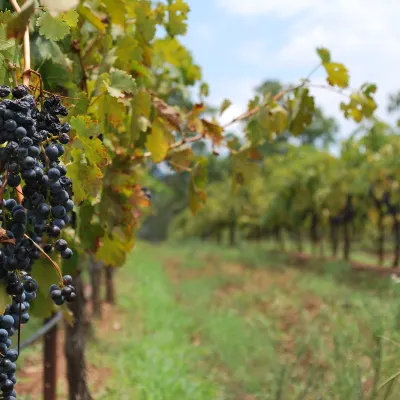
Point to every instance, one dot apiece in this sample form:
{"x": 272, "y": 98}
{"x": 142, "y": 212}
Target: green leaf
{"x": 5, "y": 16}
{"x": 177, "y": 17}
{"x": 45, "y": 275}
{"x": 85, "y": 139}
{"x": 87, "y": 236}
{"x": 16, "y": 26}
{"x": 225, "y": 104}
{"x": 324, "y": 54}
{"x": 52, "y": 28}
{"x": 44, "y": 49}
{"x": 302, "y": 111}
{"x": 5, "y": 44}
{"x": 212, "y": 131}
{"x": 180, "y": 159}
{"x": 123, "y": 81}
{"x": 278, "y": 120}
{"x": 87, "y": 178}
{"x": 145, "y": 24}
{"x": 359, "y": 106}
{"x": 84, "y": 126}
{"x": 337, "y": 74}
{"x": 198, "y": 180}
{"x": 157, "y": 141}
{"x": 115, "y": 247}
{"x": 244, "y": 168}
{"x": 71, "y": 18}
{"x": 204, "y": 89}
{"x": 5, "y": 299}
{"x": 141, "y": 107}
{"x": 127, "y": 50}
{"x": 117, "y": 13}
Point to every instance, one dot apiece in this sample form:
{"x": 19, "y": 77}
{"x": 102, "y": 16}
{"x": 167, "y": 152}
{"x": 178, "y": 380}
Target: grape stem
{"x": 27, "y": 49}
{"x": 55, "y": 265}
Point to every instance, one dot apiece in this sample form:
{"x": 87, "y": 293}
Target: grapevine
{"x": 36, "y": 197}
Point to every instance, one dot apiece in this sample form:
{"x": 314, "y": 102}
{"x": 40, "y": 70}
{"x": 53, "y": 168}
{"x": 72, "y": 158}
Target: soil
{"x": 30, "y": 375}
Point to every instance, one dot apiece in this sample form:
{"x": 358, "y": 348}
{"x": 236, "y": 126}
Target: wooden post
{"x": 50, "y": 364}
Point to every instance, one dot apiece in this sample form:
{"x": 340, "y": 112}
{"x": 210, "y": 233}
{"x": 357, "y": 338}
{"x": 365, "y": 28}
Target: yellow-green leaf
{"x": 337, "y": 74}
{"x": 177, "y": 16}
{"x": 87, "y": 178}
{"x": 197, "y": 194}
{"x": 53, "y": 28}
{"x": 71, "y": 18}
{"x": 157, "y": 141}
{"x": 324, "y": 54}
{"x": 225, "y": 104}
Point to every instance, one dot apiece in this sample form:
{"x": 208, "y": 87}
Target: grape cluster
{"x": 65, "y": 293}
{"x": 31, "y": 143}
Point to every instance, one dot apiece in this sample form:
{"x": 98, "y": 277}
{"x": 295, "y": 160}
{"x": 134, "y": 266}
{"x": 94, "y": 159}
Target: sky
{"x": 240, "y": 43}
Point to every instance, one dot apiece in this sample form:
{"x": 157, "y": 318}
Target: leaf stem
{"x": 55, "y": 265}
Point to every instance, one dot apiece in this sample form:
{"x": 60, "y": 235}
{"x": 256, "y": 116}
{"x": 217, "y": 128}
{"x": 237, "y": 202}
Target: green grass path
{"x": 153, "y": 357}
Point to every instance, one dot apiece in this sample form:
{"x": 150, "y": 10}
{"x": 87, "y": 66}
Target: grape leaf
{"x": 5, "y": 16}
{"x": 86, "y": 178}
{"x": 141, "y": 107}
{"x": 180, "y": 159}
{"x": 198, "y": 180}
{"x": 44, "y": 49}
{"x": 177, "y": 16}
{"x": 16, "y": 26}
{"x": 122, "y": 81}
{"x": 337, "y": 74}
{"x": 171, "y": 114}
{"x": 71, "y": 18}
{"x": 278, "y": 119}
{"x": 145, "y": 23}
{"x": 127, "y": 50}
{"x": 324, "y": 54}
{"x": 54, "y": 28}
{"x": 84, "y": 126}
{"x": 359, "y": 106}
{"x": 86, "y": 131}
{"x": 244, "y": 168}
{"x": 302, "y": 111}
{"x": 157, "y": 141}
{"x": 5, "y": 44}
{"x": 58, "y": 6}
{"x": 45, "y": 276}
{"x": 115, "y": 246}
{"x": 87, "y": 236}
{"x": 213, "y": 131}
{"x": 225, "y": 104}
{"x": 205, "y": 90}
{"x": 5, "y": 299}
{"x": 117, "y": 13}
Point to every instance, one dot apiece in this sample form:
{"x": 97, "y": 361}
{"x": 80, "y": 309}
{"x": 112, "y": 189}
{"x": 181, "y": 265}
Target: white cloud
{"x": 254, "y": 7}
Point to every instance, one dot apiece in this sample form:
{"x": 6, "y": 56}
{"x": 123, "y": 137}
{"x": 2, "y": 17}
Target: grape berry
{"x": 31, "y": 144}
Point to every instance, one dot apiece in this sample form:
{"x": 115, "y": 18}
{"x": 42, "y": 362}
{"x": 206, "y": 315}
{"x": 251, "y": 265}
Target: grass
{"x": 202, "y": 322}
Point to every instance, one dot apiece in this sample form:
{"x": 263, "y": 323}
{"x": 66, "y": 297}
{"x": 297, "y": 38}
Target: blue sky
{"x": 239, "y": 43}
